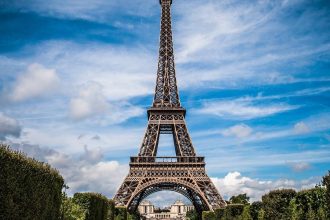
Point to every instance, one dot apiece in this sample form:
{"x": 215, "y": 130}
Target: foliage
{"x": 219, "y": 213}
{"x": 70, "y": 210}
{"x": 246, "y": 213}
{"x": 120, "y": 213}
{"x": 326, "y": 183}
{"x": 133, "y": 216}
{"x": 233, "y": 211}
{"x": 293, "y": 211}
{"x": 254, "y": 209}
{"x": 276, "y": 203}
{"x": 261, "y": 214}
{"x": 240, "y": 199}
{"x": 27, "y": 187}
{"x": 111, "y": 210}
{"x": 309, "y": 201}
{"x": 208, "y": 215}
{"x": 321, "y": 214}
{"x": 95, "y": 205}
{"x": 192, "y": 214}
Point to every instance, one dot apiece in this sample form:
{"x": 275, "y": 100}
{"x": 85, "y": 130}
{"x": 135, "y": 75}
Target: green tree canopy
{"x": 240, "y": 199}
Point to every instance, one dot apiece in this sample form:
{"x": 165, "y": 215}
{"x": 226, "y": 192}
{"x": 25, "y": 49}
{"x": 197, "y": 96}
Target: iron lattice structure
{"x": 185, "y": 173}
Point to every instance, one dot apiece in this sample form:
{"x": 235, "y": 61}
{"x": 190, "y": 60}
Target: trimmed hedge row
{"x": 95, "y": 204}
{"x": 28, "y": 189}
{"x": 232, "y": 211}
{"x": 278, "y": 204}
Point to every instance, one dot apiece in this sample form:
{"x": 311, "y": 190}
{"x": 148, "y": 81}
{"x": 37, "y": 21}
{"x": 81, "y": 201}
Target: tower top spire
{"x": 160, "y": 1}
{"x": 166, "y": 91}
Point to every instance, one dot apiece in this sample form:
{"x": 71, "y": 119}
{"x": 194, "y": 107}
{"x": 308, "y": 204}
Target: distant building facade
{"x": 177, "y": 211}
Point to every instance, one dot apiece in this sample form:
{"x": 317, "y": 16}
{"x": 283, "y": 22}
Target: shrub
{"x": 208, "y": 215}
{"x": 276, "y": 203}
{"x": 28, "y": 189}
{"x": 95, "y": 205}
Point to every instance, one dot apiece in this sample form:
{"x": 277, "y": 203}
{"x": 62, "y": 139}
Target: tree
{"x": 254, "y": 209}
{"x": 233, "y": 211}
{"x": 321, "y": 215}
{"x": 246, "y": 213}
{"x": 309, "y": 201}
{"x": 276, "y": 203}
{"x": 311, "y": 215}
{"x": 293, "y": 210}
{"x": 261, "y": 214}
{"x": 71, "y": 210}
{"x": 240, "y": 199}
{"x": 326, "y": 183}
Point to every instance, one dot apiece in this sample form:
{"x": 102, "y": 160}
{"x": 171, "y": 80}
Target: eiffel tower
{"x": 185, "y": 173}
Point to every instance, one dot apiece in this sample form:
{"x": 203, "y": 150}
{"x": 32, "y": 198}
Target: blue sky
{"x": 76, "y": 80}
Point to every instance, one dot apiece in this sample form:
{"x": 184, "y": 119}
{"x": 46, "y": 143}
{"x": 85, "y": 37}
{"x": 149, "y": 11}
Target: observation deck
{"x": 167, "y": 161}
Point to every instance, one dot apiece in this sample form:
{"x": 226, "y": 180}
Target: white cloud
{"x": 122, "y": 72}
{"x": 9, "y": 127}
{"x": 207, "y": 24}
{"x": 243, "y": 109}
{"x": 301, "y": 128}
{"x": 93, "y": 155}
{"x": 234, "y": 183}
{"x": 36, "y": 81}
{"x": 299, "y": 166}
{"x": 115, "y": 139}
{"x": 89, "y": 101}
{"x": 226, "y": 37}
{"x": 239, "y": 131}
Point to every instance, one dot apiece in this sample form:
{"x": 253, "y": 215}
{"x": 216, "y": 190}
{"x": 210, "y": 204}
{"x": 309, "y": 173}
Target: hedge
{"x": 219, "y": 213}
{"x": 95, "y": 204}
{"x": 208, "y": 215}
{"x": 276, "y": 203}
{"x": 28, "y": 189}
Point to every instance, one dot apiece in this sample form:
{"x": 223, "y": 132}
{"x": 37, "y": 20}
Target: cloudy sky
{"x": 76, "y": 80}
